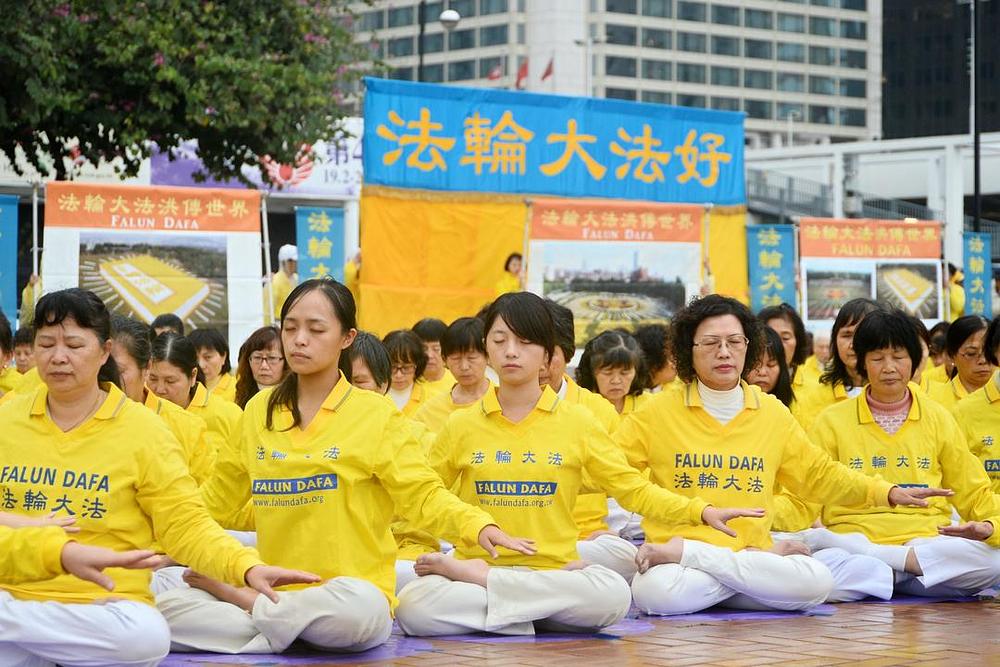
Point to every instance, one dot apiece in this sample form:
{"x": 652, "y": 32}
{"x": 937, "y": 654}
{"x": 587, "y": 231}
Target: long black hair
{"x": 286, "y": 394}
{"x": 89, "y": 312}
{"x": 774, "y": 347}
{"x": 261, "y": 339}
{"x": 852, "y": 312}
{"x": 786, "y": 312}
{"x": 180, "y": 352}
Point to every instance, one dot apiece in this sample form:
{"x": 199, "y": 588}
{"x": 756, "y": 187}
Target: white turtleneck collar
{"x": 723, "y": 405}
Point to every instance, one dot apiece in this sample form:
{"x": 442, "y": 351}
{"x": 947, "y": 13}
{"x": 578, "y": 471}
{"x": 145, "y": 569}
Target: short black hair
{"x": 654, "y": 341}
{"x": 511, "y": 257}
{"x": 212, "y": 339}
{"x": 612, "y": 349}
{"x": 89, "y": 312}
{"x": 167, "y": 321}
{"x": 852, "y": 312}
{"x": 527, "y": 315}
{"x": 939, "y": 337}
{"x": 960, "y": 331}
{"x": 24, "y": 336}
{"x": 921, "y": 329}
{"x": 774, "y": 348}
{"x": 430, "y": 329}
{"x": 463, "y": 335}
{"x": 992, "y": 341}
{"x": 405, "y": 347}
{"x": 133, "y": 335}
{"x": 785, "y": 312}
{"x": 686, "y": 322}
{"x": 6, "y": 335}
{"x": 562, "y": 320}
{"x": 883, "y": 329}
{"x": 369, "y": 348}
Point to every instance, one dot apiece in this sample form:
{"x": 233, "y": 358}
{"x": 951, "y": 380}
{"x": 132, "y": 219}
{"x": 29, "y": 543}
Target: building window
{"x": 758, "y": 108}
{"x": 657, "y": 69}
{"x": 401, "y": 46}
{"x": 520, "y": 33}
{"x": 431, "y": 12}
{"x": 791, "y": 83}
{"x": 726, "y": 76}
{"x": 618, "y": 66}
{"x": 786, "y": 109}
{"x": 620, "y": 6}
{"x": 853, "y": 59}
{"x": 758, "y": 18}
{"x": 853, "y": 88}
{"x": 373, "y": 20}
{"x": 726, "y": 103}
{"x": 791, "y": 23}
{"x": 462, "y": 70}
{"x": 853, "y": 117}
{"x": 659, "y": 8}
{"x": 792, "y": 53}
{"x": 466, "y": 8}
{"x": 690, "y": 73}
{"x": 690, "y": 41}
{"x": 400, "y": 16}
{"x": 822, "y": 26}
{"x": 434, "y": 43}
{"x": 821, "y": 114}
{"x": 853, "y": 30}
{"x": 433, "y": 73}
{"x": 656, "y": 97}
{"x": 685, "y": 100}
{"x": 653, "y": 38}
{"x": 725, "y": 15}
{"x": 620, "y": 34}
{"x": 462, "y": 39}
{"x": 757, "y": 48}
{"x": 823, "y": 3}
{"x": 691, "y": 11}
{"x": 856, "y": 5}
{"x": 822, "y": 85}
{"x": 822, "y": 55}
{"x": 755, "y": 78}
{"x": 493, "y": 35}
{"x": 487, "y": 65}
{"x": 619, "y": 94}
{"x": 725, "y": 46}
{"x": 402, "y": 74}
{"x": 492, "y": 7}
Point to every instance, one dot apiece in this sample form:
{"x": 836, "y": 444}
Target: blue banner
{"x": 420, "y": 135}
{"x": 771, "y": 250}
{"x": 319, "y": 235}
{"x": 8, "y": 256}
{"x": 978, "y": 274}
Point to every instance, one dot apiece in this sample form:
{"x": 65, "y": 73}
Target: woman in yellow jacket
{"x": 724, "y": 441}
{"x": 523, "y": 453}
{"x": 408, "y": 390}
{"x": 213, "y": 359}
{"x": 9, "y": 377}
{"x": 978, "y": 414}
{"x": 437, "y": 375}
{"x": 965, "y": 347}
{"x": 326, "y": 465}
{"x": 174, "y": 375}
{"x": 512, "y": 279}
{"x": 612, "y": 366}
{"x": 894, "y": 432}
{"x": 464, "y": 354}
{"x": 77, "y": 446}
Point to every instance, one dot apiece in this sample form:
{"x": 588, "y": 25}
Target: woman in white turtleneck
{"x": 730, "y": 444}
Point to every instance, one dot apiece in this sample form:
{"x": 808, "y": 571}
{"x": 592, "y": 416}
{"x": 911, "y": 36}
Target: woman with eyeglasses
{"x": 978, "y": 414}
{"x": 406, "y": 352}
{"x": 724, "y": 441}
{"x": 965, "y": 347}
{"x": 261, "y": 364}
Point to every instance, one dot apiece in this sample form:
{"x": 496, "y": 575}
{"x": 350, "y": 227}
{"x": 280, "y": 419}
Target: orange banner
{"x": 151, "y": 208}
{"x": 613, "y": 220}
{"x": 866, "y": 238}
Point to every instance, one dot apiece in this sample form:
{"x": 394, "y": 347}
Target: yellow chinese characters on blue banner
{"x": 319, "y": 234}
{"x": 978, "y": 274}
{"x": 468, "y": 139}
{"x": 771, "y": 259}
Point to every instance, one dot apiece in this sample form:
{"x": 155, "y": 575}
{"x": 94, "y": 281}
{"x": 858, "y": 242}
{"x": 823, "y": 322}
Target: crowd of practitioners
{"x": 159, "y": 495}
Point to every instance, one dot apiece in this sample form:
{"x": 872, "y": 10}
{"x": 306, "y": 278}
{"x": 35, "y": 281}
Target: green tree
{"x": 245, "y": 78}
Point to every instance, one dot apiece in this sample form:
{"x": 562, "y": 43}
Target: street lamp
{"x": 588, "y": 46}
{"x": 448, "y": 19}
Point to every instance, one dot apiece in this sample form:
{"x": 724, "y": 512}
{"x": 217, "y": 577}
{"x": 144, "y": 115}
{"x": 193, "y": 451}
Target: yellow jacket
{"x": 978, "y": 415}
{"x": 929, "y": 450}
{"x": 508, "y": 282}
{"x": 31, "y": 554}
{"x": 633, "y": 403}
{"x": 418, "y": 399}
{"x": 281, "y": 286}
{"x": 949, "y": 393}
{"x": 937, "y": 374}
{"x": 10, "y": 379}
{"x": 814, "y": 399}
{"x": 190, "y": 431}
{"x": 28, "y": 383}
{"x": 435, "y": 412}
{"x": 225, "y": 388}
{"x": 324, "y": 496}
{"x": 221, "y": 416}
{"x": 528, "y": 474}
{"x": 122, "y": 475}
{"x": 737, "y": 465}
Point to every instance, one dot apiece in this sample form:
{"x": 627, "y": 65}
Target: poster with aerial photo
{"x": 911, "y": 287}
{"x": 827, "y": 291}
{"x": 145, "y": 274}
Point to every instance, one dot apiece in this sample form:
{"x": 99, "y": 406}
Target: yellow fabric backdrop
{"x": 428, "y": 255}
{"x": 727, "y": 251}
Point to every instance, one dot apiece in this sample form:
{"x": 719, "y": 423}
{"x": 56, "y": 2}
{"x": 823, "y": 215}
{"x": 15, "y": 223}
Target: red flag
{"x": 495, "y": 73}
{"x": 550, "y": 69}
{"x": 522, "y": 75}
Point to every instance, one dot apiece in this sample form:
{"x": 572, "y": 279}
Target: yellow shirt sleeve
{"x": 227, "y": 491}
{"x": 964, "y": 474}
{"x": 31, "y": 554}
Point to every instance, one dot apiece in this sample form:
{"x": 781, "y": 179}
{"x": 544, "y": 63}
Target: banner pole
{"x": 34, "y": 230}
{"x": 267, "y": 259}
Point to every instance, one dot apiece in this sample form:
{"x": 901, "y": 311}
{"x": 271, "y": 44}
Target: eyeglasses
{"x": 972, "y": 353}
{"x": 714, "y": 343}
{"x": 405, "y": 369}
{"x": 271, "y": 359}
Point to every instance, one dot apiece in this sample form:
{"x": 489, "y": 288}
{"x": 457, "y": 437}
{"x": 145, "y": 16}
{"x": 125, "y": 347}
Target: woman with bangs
{"x": 464, "y": 353}
{"x": 406, "y": 352}
{"x": 771, "y": 374}
{"x": 261, "y": 364}
{"x": 893, "y": 433}
{"x": 612, "y": 365}
{"x": 522, "y": 453}
{"x": 967, "y": 352}
{"x": 213, "y": 359}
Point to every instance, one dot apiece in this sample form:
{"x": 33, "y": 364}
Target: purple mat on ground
{"x": 628, "y": 626}
{"x": 916, "y": 599}
{"x": 397, "y": 647}
{"x": 723, "y": 614}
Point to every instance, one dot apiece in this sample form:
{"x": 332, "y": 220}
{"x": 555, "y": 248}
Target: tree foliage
{"x": 99, "y": 80}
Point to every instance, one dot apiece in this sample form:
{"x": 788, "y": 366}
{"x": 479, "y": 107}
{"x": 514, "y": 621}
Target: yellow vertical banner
{"x": 727, "y": 251}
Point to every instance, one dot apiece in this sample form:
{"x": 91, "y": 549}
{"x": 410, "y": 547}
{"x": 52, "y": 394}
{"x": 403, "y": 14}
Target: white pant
{"x": 612, "y": 552}
{"x": 513, "y": 601}
{"x": 344, "y": 614}
{"x": 709, "y": 575}
{"x": 627, "y": 524}
{"x": 247, "y": 538}
{"x": 167, "y": 578}
{"x": 404, "y": 573}
{"x": 952, "y": 566}
{"x": 855, "y": 576}
{"x": 45, "y": 633}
